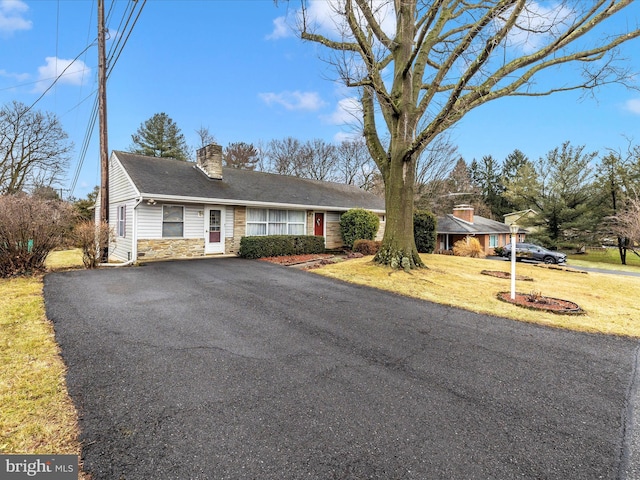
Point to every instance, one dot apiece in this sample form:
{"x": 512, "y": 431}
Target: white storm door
{"x": 214, "y": 229}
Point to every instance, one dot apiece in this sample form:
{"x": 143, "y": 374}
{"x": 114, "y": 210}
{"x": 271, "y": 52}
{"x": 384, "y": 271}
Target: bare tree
{"x": 284, "y": 156}
{"x": 205, "y": 137}
{"x": 241, "y": 155}
{"x": 626, "y": 226}
{"x": 354, "y": 164}
{"x": 318, "y": 160}
{"x": 34, "y": 151}
{"x": 435, "y": 61}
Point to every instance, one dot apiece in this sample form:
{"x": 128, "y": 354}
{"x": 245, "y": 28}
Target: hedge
{"x": 358, "y": 224}
{"x": 425, "y": 231}
{"x": 278, "y": 245}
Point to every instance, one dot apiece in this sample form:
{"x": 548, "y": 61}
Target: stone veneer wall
{"x": 170, "y": 248}
{"x": 232, "y": 245}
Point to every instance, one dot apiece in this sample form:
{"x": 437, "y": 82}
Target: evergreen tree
{"x": 159, "y": 136}
{"x": 487, "y": 177}
{"x": 559, "y": 187}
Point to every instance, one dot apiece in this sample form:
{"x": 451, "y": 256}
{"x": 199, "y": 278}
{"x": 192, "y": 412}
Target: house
{"x": 462, "y": 224}
{"x": 522, "y": 217}
{"x": 165, "y": 208}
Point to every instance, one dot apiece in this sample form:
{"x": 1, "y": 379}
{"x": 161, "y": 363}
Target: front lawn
{"x": 36, "y": 414}
{"x": 610, "y": 301}
{"x": 609, "y": 258}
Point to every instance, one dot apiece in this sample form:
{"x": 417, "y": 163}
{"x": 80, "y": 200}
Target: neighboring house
{"x": 165, "y": 208}
{"x": 522, "y": 217}
{"x": 463, "y": 224}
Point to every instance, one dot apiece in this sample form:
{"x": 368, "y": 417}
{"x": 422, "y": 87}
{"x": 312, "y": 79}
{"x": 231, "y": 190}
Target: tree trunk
{"x": 622, "y": 248}
{"x": 398, "y": 249}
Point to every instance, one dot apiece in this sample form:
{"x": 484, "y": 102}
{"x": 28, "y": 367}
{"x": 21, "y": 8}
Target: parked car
{"x": 534, "y": 252}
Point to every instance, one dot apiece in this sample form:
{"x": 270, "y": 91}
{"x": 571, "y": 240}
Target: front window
{"x": 493, "y": 241}
{"x": 263, "y": 221}
{"x": 172, "y": 221}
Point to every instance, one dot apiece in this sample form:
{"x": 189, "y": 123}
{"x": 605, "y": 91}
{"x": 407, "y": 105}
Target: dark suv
{"x": 534, "y": 252}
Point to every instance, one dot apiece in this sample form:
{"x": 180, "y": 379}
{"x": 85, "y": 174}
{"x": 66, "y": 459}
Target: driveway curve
{"x": 236, "y": 369}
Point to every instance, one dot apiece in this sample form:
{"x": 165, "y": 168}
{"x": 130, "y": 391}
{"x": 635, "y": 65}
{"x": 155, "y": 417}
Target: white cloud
{"x": 347, "y": 136}
{"x": 348, "y": 111}
{"x": 75, "y": 73}
{"x": 11, "y": 16}
{"x": 280, "y": 29}
{"x": 323, "y": 15}
{"x": 19, "y": 77}
{"x": 309, "y": 101}
{"x": 633, "y": 105}
{"x": 537, "y": 25}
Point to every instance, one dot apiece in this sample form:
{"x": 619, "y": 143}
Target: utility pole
{"x": 102, "y": 119}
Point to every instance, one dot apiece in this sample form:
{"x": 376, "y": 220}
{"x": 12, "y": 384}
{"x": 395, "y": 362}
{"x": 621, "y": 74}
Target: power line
{"x": 114, "y": 55}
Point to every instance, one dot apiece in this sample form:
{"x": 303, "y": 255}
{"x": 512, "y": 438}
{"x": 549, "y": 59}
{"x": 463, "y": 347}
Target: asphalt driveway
{"x": 237, "y": 369}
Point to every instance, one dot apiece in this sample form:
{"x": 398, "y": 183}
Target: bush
{"x": 88, "y": 236}
{"x": 424, "y": 231}
{"x": 366, "y": 247}
{"x": 498, "y": 251}
{"x": 469, "y": 247}
{"x": 278, "y": 245}
{"x": 358, "y": 224}
{"x": 30, "y": 227}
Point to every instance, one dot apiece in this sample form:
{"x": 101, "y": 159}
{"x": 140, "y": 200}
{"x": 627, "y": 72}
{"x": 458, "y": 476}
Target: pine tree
{"x": 159, "y": 136}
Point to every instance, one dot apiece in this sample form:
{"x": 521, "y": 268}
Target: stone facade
{"x": 170, "y": 248}
{"x": 232, "y": 245}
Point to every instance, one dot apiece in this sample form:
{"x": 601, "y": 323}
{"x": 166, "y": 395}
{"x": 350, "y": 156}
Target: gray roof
{"x": 453, "y": 225}
{"x": 155, "y": 176}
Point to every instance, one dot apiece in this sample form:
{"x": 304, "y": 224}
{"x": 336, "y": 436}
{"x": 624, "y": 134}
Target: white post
{"x": 514, "y": 232}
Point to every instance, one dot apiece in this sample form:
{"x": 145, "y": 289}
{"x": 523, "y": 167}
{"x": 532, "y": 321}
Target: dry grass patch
{"x": 63, "y": 259}
{"x": 37, "y": 415}
{"x": 609, "y": 300}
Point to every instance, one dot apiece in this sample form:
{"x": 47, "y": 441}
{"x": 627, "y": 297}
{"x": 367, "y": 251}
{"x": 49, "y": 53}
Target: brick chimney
{"x": 209, "y": 160}
{"x": 463, "y": 212}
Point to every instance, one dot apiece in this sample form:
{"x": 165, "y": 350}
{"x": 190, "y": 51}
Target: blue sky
{"x": 230, "y": 66}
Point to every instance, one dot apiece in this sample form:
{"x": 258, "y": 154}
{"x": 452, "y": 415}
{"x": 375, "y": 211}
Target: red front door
{"x": 318, "y": 224}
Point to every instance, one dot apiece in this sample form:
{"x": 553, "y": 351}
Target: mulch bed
{"x": 539, "y": 302}
{"x": 297, "y": 259}
{"x": 500, "y": 274}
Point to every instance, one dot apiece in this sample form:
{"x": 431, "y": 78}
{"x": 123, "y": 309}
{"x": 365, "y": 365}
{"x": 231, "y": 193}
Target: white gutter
{"x": 247, "y": 203}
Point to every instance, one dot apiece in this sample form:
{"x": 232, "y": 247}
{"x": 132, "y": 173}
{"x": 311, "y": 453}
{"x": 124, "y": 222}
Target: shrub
{"x": 424, "y": 231}
{"x": 30, "y": 227}
{"x": 358, "y": 224}
{"x": 366, "y": 247}
{"x": 498, "y": 251}
{"x": 278, "y": 245}
{"x": 469, "y": 247}
{"x": 88, "y": 236}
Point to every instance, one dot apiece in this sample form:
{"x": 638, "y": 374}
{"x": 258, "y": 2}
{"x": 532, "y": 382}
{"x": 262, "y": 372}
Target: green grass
{"x": 609, "y": 257}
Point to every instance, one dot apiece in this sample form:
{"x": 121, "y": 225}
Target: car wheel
{"x": 549, "y": 260}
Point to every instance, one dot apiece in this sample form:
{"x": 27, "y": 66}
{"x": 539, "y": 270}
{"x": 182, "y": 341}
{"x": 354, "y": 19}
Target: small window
{"x": 122, "y": 220}
{"x": 493, "y": 241}
{"x": 172, "y": 221}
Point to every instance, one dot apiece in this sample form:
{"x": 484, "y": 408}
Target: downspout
{"x": 134, "y": 241}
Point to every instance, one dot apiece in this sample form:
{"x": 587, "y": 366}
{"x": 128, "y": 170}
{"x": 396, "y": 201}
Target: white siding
{"x": 150, "y": 221}
{"x": 228, "y": 223}
{"x": 121, "y": 192}
{"x": 121, "y": 248}
{"x": 120, "y": 187}
{"x": 194, "y": 221}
